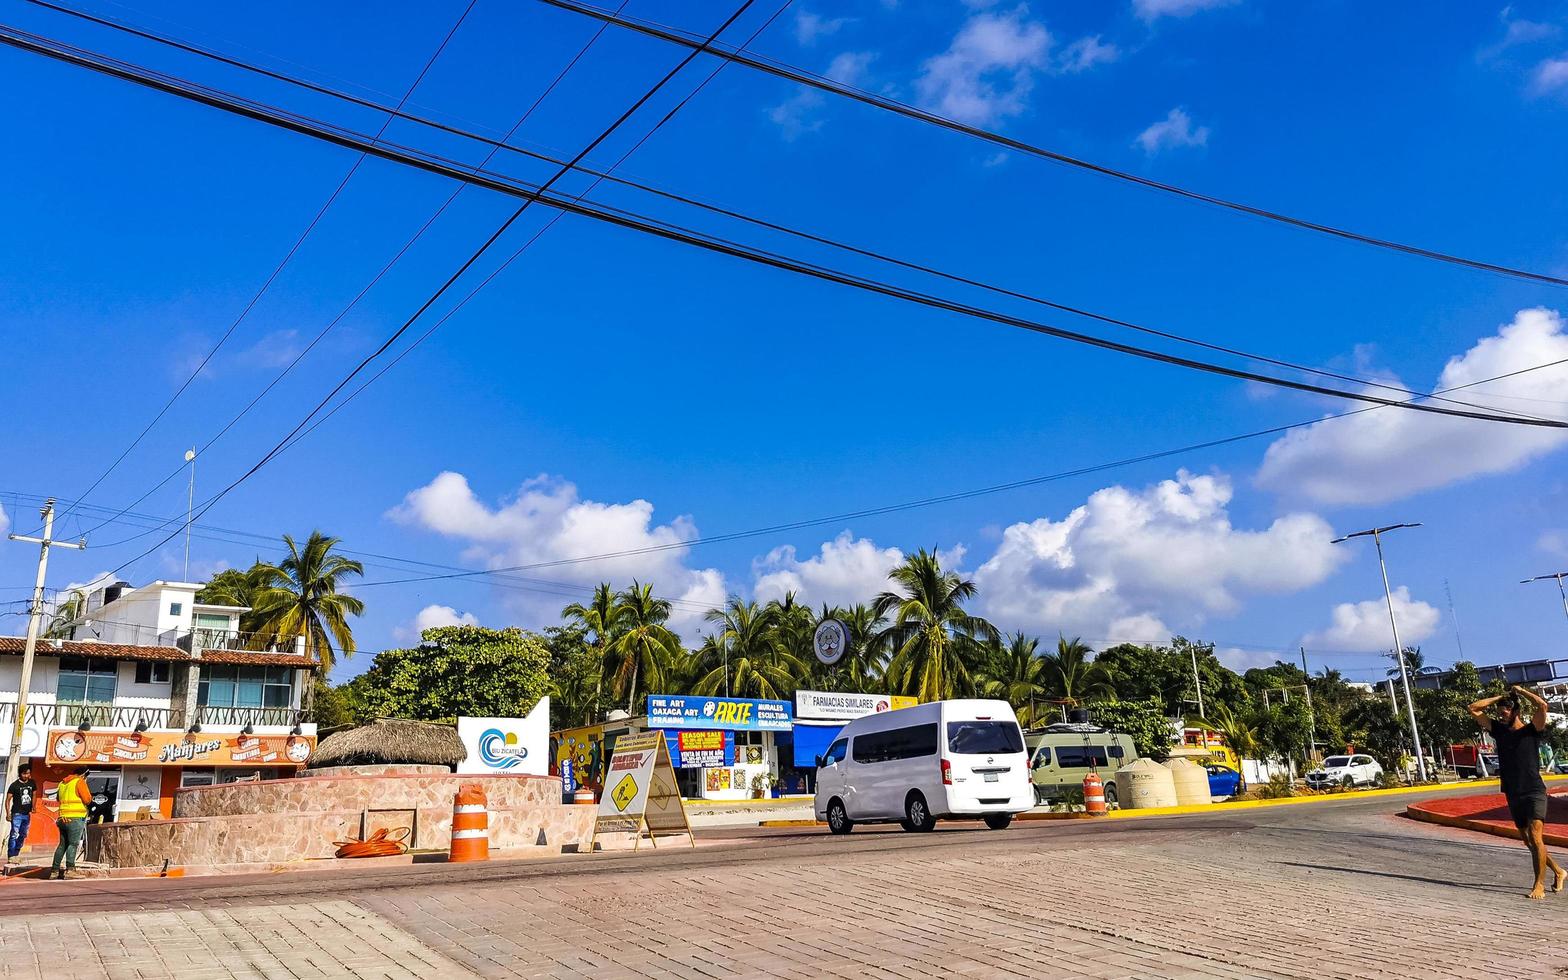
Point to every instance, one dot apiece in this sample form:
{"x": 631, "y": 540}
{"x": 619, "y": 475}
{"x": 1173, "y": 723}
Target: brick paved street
{"x": 1257, "y": 893}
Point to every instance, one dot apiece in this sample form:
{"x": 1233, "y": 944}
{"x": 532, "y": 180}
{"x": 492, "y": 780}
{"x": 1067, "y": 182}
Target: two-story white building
{"x": 148, "y": 691}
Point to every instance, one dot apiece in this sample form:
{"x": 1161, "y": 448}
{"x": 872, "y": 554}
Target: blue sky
{"x": 610, "y": 391}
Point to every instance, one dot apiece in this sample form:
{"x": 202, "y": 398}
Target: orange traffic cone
{"x": 470, "y": 824}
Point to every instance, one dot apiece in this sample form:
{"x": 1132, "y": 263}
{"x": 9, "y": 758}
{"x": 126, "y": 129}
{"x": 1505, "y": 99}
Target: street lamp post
{"x": 1559, "y": 577}
{"x": 1376, "y": 534}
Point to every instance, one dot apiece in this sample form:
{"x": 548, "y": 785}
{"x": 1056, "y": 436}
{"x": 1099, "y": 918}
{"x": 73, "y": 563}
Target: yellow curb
{"x": 781, "y": 801}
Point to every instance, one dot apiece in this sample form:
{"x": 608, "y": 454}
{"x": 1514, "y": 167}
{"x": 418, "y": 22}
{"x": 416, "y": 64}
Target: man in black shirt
{"x": 1519, "y": 759}
{"x": 19, "y": 797}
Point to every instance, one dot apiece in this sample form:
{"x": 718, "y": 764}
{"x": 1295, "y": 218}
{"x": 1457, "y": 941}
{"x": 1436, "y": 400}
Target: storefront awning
{"x": 812, "y": 740}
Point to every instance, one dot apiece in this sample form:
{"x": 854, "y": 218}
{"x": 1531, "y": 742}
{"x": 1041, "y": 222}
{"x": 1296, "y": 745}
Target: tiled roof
{"x": 14, "y": 645}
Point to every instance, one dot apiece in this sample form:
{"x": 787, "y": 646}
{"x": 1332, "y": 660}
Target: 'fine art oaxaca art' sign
{"x": 71, "y": 747}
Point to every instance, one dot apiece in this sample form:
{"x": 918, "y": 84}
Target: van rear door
{"x": 986, "y": 758}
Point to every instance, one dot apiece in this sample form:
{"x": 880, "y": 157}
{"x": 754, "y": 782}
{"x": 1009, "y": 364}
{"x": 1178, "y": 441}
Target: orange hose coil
{"x": 382, "y": 843}
{"x": 470, "y": 824}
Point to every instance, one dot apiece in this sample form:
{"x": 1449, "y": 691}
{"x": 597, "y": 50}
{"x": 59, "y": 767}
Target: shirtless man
{"x": 1519, "y": 758}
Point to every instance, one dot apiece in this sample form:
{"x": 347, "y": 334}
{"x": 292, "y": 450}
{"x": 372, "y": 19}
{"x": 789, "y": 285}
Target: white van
{"x": 918, "y": 764}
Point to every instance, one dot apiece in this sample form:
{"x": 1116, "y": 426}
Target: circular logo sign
{"x": 500, "y": 750}
{"x": 830, "y": 641}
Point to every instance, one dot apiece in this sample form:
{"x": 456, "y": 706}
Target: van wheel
{"x": 998, "y": 821}
{"x": 1040, "y": 799}
{"x": 838, "y": 818}
{"x": 917, "y": 814}
{"x": 1110, "y": 794}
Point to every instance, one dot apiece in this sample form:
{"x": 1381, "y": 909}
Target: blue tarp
{"x": 812, "y": 741}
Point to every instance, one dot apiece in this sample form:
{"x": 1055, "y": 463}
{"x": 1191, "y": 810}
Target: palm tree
{"x": 645, "y": 650}
{"x": 750, "y": 657}
{"x": 299, "y": 597}
{"x": 1069, "y": 674}
{"x": 794, "y": 623}
{"x": 67, "y": 612}
{"x": 1414, "y": 661}
{"x": 1239, "y": 731}
{"x": 933, "y": 641}
{"x": 1014, "y": 672}
{"x": 602, "y": 618}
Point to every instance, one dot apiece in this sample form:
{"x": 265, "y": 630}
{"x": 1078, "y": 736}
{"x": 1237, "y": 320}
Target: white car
{"x": 1345, "y": 770}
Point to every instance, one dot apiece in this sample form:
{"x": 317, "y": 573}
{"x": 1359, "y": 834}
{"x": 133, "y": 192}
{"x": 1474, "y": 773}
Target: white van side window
{"x": 836, "y": 752}
{"x": 898, "y": 743}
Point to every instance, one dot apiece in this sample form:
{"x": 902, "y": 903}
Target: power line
{"x": 387, "y": 267}
{"x": 802, "y": 77}
{"x": 687, "y": 236}
{"x": 277, "y": 270}
{"x": 468, "y": 263}
{"x": 600, "y": 176}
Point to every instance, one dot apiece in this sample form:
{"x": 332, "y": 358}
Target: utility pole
{"x": 1376, "y": 534}
{"x": 1198, "y": 681}
{"x": 1312, "y": 722}
{"x": 190, "y": 504}
{"x": 34, "y": 621}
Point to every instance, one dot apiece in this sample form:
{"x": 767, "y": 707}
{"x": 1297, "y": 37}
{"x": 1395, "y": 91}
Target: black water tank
{"x": 1078, "y": 716}
{"x": 113, "y": 592}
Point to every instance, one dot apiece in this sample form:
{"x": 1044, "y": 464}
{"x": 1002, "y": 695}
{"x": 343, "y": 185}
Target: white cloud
{"x": 272, "y": 351}
{"x": 844, "y": 571}
{"x": 1364, "y": 627}
{"x": 1128, "y": 562}
{"x": 1175, "y": 130}
{"x": 432, "y": 616}
{"x": 1383, "y": 455}
{"x": 988, "y": 71}
{"x": 798, "y": 115}
{"x": 1151, "y": 10}
{"x": 1518, "y": 31}
{"x": 1554, "y": 542}
{"x": 1085, "y": 53}
{"x": 1550, "y": 75}
{"x": 810, "y": 27}
{"x": 547, "y": 522}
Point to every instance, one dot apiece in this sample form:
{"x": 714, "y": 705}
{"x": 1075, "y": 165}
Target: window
{"x": 1042, "y": 756}
{"x": 246, "y": 687}
{"x": 836, "y": 752}
{"x": 148, "y": 672}
{"x": 1116, "y": 751}
{"x": 1081, "y": 756}
{"x": 175, "y": 608}
{"x": 87, "y": 679}
{"x": 900, "y": 743}
{"x": 984, "y": 737}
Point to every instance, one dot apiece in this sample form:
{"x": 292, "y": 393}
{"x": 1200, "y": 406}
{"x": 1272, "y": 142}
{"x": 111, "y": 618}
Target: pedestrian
{"x": 19, "y": 798}
{"x": 74, "y": 799}
{"x": 1519, "y": 762}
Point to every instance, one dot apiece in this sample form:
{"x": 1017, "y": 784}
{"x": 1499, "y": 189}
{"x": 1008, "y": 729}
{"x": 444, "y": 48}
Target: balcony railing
{"x": 71, "y": 715}
{"x": 211, "y": 714}
{"x": 221, "y": 639}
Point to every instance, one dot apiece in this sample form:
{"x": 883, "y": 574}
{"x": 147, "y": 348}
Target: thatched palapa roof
{"x": 390, "y": 741}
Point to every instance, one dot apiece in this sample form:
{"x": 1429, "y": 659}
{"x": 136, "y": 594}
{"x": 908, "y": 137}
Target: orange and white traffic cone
{"x": 1094, "y": 795}
{"x": 470, "y": 824}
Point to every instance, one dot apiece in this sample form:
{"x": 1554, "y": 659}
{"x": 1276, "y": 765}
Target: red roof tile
{"x": 14, "y": 646}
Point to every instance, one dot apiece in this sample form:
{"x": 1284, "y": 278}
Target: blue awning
{"x": 813, "y": 740}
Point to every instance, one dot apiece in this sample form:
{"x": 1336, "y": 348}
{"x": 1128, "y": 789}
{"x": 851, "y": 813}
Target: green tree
{"x": 1239, "y": 728}
{"x": 333, "y": 707}
{"x": 233, "y": 587}
{"x": 300, "y": 596}
{"x": 1014, "y": 672}
{"x": 1151, "y": 731}
{"x": 603, "y": 618}
{"x": 575, "y": 667}
{"x": 66, "y": 612}
{"x": 1138, "y": 673}
{"x": 933, "y": 641}
{"x": 1372, "y": 725}
{"x": 1282, "y": 730}
{"x": 646, "y": 650}
{"x": 750, "y": 657}
{"x": 456, "y": 670}
{"x": 1070, "y": 675}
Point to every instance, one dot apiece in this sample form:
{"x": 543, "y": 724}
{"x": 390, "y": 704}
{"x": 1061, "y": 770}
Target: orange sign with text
{"x": 70, "y": 747}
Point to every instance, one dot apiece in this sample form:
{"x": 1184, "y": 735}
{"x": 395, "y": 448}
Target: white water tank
{"x": 1191, "y": 781}
{"x": 1145, "y": 783}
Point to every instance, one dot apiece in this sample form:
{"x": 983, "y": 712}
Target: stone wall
{"x": 283, "y": 820}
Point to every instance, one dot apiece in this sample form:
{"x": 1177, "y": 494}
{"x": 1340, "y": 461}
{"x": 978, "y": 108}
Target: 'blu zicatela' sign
{"x": 725, "y": 714}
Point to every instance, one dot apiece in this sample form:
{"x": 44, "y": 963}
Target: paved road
{"x": 1337, "y": 889}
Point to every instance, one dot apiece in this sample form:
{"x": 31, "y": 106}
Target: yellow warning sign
{"x": 624, "y": 792}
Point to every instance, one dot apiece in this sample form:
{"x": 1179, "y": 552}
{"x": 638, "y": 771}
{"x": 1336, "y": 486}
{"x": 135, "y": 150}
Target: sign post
{"x": 640, "y": 796}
